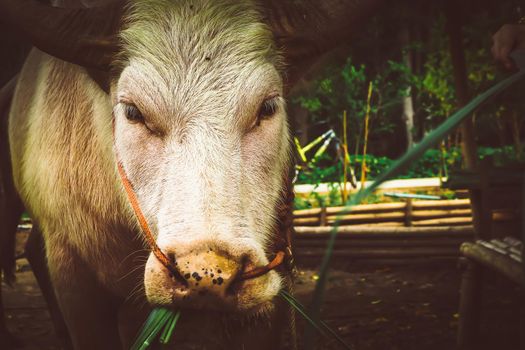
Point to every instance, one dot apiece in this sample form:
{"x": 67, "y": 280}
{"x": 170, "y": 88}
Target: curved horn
{"x": 307, "y": 29}
{"x": 82, "y": 36}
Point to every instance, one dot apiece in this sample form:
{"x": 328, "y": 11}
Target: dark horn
{"x": 86, "y": 37}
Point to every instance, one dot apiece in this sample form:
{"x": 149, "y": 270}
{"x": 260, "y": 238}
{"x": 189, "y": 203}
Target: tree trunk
{"x": 408, "y": 107}
{"x": 457, "y": 53}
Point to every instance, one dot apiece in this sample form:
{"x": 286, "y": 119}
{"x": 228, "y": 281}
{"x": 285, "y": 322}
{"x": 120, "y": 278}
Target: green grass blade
{"x": 156, "y": 320}
{"x": 398, "y": 167}
{"x": 320, "y": 325}
{"x": 146, "y": 328}
{"x": 162, "y": 320}
{"x": 168, "y": 329}
{"x": 303, "y": 313}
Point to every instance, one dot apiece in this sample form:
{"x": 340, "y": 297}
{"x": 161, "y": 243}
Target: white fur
{"x": 199, "y": 71}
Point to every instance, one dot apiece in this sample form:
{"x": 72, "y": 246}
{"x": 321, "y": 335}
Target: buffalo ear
{"x": 86, "y": 36}
{"x": 307, "y": 29}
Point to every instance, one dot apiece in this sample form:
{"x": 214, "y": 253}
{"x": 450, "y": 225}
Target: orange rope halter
{"x": 159, "y": 254}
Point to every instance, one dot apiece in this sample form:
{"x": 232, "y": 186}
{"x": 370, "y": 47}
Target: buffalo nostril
{"x": 172, "y": 259}
{"x": 246, "y": 265}
{"x": 237, "y": 284}
{"x": 173, "y": 270}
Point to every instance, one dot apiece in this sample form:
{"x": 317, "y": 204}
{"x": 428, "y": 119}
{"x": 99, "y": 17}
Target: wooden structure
{"x": 498, "y": 247}
{"x": 410, "y": 231}
{"x": 381, "y": 244}
{"x": 411, "y": 213}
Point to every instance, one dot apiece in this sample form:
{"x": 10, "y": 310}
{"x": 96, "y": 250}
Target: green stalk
{"x": 157, "y": 320}
{"x": 302, "y": 311}
{"x": 168, "y": 329}
{"x": 398, "y": 167}
{"x": 320, "y": 325}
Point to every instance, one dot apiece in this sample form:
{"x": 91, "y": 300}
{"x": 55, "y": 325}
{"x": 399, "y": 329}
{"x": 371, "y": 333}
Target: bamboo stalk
{"x": 380, "y": 224}
{"x": 307, "y": 222}
{"x": 345, "y": 159}
{"x": 432, "y": 242}
{"x": 456, "y": 203}
{"x": 365, "y": 136}
{"x": 394, "y": 216}
{"x": 421, "y": 214}
{"x": 355, "y": 209}
{"x": 378, "y": 233}
{"x": 387, "y": 231}
{"x": 444, "y": 221}
{"x": 382, "y": 237}
{"x": 380, "y": 253}
{"x": 417, "y": 205}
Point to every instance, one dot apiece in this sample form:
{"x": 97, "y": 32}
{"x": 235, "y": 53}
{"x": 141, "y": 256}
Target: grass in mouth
{"x": 159, "y": 325}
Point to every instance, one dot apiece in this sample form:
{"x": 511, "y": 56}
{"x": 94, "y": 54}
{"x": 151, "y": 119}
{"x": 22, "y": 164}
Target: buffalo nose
{"x": 208, "y": 275}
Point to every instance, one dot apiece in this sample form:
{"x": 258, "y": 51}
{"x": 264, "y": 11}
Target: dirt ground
{"x": 372, "y": 307}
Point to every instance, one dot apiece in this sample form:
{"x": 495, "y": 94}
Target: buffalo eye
{"x": 267, "y": 109}
{"x": 133, "y": 114}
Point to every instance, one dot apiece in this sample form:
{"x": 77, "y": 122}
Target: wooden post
{"x": 483, "y": 203}
{"x": 322, "y": 217}
{"x": 457, "y": 54}
{"x": 408, "y": 212}
{"x": 521, "y": 292}
{"x": 521, "y": 296}
{"x": 469, "y": 306}
{"x": 523, "y": 235}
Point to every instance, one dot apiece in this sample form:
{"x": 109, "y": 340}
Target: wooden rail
{"x": 409, "y": 213}
{"x": 381, "y": 243}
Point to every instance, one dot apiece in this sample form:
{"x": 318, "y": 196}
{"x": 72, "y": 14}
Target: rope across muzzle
{"x": 159, "y": 254}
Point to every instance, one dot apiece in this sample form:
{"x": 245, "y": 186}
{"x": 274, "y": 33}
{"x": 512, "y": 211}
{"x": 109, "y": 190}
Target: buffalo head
{"x": 200, "y": 127}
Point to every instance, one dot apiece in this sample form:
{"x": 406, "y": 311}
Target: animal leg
{"x": 89, "y": 311}
{"x": 35, "y": 252}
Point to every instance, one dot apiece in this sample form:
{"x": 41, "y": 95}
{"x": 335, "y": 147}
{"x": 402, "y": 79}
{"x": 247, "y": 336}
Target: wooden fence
{"x": 401, "y": 231}
{"x": 409, "y": 213}
{"x": 381, "y": 243}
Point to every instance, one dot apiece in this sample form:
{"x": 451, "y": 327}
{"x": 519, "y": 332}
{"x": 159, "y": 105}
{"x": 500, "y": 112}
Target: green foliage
{"x": 426, "y": 166}
{"x": 429, "y": 81}
{"x": 430, "y": 163}
{"x": 345, "y": 87}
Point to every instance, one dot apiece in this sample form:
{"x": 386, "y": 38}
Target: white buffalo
{"x": 179, "y": 105}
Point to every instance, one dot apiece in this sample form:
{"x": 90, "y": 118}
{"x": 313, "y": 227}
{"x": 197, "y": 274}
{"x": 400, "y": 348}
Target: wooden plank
{"x": 448, "y": 203}
{"x": 495, "y": 261}
{"x": 379, "y": 253}
{"x": 435, "y": 214}
{"x": 383, "y": 243}
{"x": 361, "y": 208}
{"x": 460, "y": 221}
{"x": 375, "y": 217}
{"x": 387, "y": 207}
{"x": 386, "y": 231}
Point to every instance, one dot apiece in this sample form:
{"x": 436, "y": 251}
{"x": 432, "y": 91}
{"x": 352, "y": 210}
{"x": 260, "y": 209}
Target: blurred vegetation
{"x": 433, "y": 163}
{"x": 404, "y": 52}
